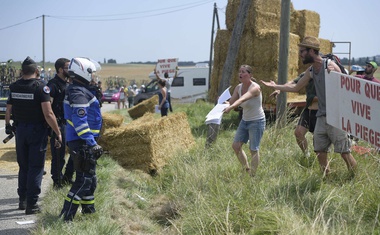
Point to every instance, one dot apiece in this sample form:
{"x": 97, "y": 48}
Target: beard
{"x": 307, "y": 59}
{"x": 66, "y": 74}
{"x": 366, "y": 71}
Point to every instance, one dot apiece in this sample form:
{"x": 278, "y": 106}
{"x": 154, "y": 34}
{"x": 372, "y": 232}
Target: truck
{"x": 190, "y": 85}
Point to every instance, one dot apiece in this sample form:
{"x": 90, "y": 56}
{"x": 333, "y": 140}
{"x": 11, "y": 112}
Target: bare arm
{"x": 290, "y": 87}
{"x": 163, "y": 92}
{"x": 155, "y": 72}
{"x": 51, "y": 119}
{"x": 176, "y": 71}
{"x": 235, "y": 101}
{"x": 276, "y": 92}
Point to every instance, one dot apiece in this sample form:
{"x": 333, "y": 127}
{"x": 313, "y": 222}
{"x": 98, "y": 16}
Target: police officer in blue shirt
{"x": 57, "y": 87}
{"x": 84, "y": 121}
{"x": 29, "y": 104}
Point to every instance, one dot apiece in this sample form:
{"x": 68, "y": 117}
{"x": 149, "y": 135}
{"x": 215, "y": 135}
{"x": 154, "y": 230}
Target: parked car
{"x": 4, "y": 93}
{"x": 150, "y": 90}
{"x": 111, "y": 95}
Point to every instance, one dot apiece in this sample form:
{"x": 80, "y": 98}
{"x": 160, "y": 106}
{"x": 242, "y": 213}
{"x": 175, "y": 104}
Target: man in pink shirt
{"x": 370, "y": 69}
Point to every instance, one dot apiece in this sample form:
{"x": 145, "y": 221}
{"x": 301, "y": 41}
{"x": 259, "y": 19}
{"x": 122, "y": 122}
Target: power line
{"x": 10, "y": 26}
{"x": 183, "y": 7}
{"x": 78, "y": 18}
{"x": 193, "y": 4}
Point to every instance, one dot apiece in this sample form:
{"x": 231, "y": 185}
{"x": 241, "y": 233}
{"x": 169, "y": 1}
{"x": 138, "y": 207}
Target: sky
{"x": 148, "y": 30}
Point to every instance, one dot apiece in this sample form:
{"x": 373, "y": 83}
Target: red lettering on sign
{"x": 360, "y": 109}
{"x": 347, "y": 127}
{"x": 350, "y": 84}
{"x": 372, "y": 91}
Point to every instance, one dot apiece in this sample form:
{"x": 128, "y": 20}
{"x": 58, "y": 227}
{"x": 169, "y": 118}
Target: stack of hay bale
{"x": 259, "y": 45}
{"x": 148, "y": 142}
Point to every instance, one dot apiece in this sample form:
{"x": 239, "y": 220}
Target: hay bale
{"x": 222, "y": 41}
{"x": 261, "y": 51}
{"x": 148, "y": 142}
{"x": 305, "y": 23}
{"x": 326, "y": 47}
{"x": 111, "y": 120}
{"x": 147, "y": 106}
{"x": 262, "y": 14}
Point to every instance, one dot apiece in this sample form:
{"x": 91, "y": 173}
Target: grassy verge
{"x": 205, "y": 191}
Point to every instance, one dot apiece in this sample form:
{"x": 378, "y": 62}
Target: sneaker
{"x": 22, "y": 205}
{"x": 30, "y": 210}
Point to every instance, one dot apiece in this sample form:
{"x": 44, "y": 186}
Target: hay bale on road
{"x": 147, "y": 106}
{"x": 148, "y": 142}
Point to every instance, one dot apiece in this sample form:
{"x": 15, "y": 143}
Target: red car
{"x": 111, "y": 95}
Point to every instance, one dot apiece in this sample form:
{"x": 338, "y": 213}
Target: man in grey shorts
{"x": 324, "y": 134}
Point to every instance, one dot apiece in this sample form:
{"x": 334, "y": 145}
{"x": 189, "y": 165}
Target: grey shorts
{"x": 325, "y": 135}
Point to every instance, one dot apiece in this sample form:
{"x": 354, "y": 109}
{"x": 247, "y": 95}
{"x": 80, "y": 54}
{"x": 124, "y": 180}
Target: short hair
{"x": 166, "y": 75}
{"x": 162, "y": 82}
{"x": 60, "y": 63}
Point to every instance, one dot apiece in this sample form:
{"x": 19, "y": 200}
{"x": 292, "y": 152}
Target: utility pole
{"x": 283, "y": 62}
{"x": 43, "y": 42}
{"x": 214, "y": 15}
{"x": 233, "y": 47}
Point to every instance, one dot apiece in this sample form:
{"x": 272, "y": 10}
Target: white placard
{"x": 166, "y": 66}
{"x": 353, "y": 105}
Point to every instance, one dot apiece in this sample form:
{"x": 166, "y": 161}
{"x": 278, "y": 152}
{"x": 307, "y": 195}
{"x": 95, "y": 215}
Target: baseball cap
{"x": 373, "y": 63}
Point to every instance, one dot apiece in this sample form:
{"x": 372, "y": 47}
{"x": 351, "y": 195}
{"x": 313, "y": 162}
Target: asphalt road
{"x": 12, "y": 220}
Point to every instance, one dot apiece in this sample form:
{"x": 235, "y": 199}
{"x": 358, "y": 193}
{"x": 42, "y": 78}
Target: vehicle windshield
{"x": 111, "y": 91}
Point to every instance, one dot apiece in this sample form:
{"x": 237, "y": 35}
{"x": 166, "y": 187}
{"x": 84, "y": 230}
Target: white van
{"x": 190, "y": 85}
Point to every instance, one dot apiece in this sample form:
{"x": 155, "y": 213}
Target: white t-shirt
{"x": 168, "y": 83}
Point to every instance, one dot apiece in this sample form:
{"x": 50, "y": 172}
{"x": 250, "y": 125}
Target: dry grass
{"x": 137, "y": 72}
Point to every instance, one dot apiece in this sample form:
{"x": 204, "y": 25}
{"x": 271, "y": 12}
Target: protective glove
{"x": 96, "y": 151}
{"x": 8, "y": 129}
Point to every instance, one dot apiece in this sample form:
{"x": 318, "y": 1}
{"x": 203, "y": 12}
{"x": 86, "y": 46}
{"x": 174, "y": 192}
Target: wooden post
{"x": 283, "y": 62}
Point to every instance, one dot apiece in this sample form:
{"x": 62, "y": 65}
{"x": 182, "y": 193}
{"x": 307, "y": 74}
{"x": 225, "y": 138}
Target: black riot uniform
{"x": 57, "y": 92}
{"x": 25, "y": 98}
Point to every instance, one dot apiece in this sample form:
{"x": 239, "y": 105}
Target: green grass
{"x": 204, "y": 191}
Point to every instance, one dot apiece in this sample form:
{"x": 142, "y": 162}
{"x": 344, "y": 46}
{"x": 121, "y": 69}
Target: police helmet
{"x": 82, "y": 68}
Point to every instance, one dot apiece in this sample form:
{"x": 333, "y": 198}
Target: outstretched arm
{"x": 290, "y": 87}
{"x": 176, "y": 71}
{"x": 235, "y": 101}
{"x": 155, "y": 73}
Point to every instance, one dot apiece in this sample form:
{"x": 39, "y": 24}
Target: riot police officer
{"x": 84, "y": 121}
{"x": 57, "y": 87}
{"x": 29, "y": 104}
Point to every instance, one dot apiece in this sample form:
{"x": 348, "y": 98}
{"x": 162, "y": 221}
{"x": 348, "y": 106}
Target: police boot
{"x": 88, "y": 209}
{"x": 67, "y": 180}
{"x": 22, "y": 204}
{"x": 69, "y": 210}
{"x": 34, "y": 209}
